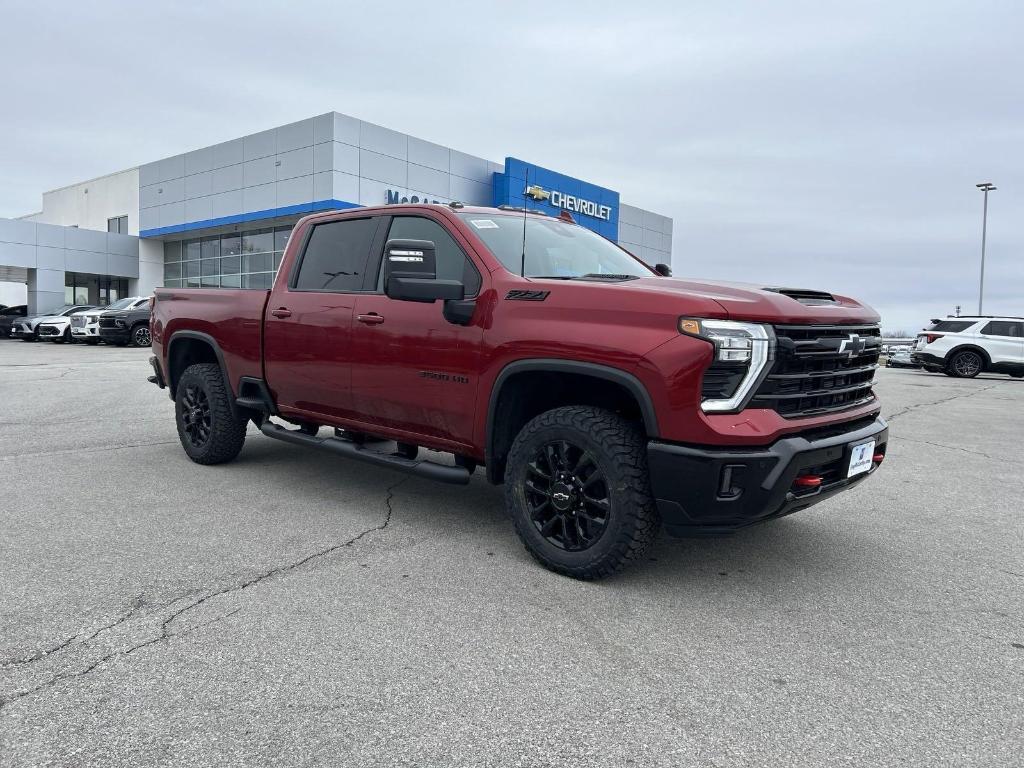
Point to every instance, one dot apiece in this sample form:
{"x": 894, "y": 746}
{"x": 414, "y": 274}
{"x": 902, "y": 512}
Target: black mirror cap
{"x": 426, "y": 290}
{"x": 663, "y": 269}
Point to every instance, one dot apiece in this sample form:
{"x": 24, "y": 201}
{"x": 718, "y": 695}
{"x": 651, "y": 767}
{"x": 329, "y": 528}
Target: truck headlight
{"x": 742, "y": 354}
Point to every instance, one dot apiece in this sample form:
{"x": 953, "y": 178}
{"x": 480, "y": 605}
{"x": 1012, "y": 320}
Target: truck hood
{"x": 765, "y": 304}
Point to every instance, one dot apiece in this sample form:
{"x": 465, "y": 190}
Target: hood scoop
{"x": 806, "y": 297}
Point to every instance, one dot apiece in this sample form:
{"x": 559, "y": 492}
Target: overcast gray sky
{"x": 811, "y": 144}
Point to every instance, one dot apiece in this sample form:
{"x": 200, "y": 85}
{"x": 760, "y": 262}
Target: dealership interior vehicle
{"x": 85, "y": 325}
{"x": 609, "y": 399}
{"x": 967, "y": 345}
{"x": 27, "y": 328}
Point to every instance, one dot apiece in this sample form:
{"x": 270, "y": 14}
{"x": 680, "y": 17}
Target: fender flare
{"x": 172, "y": 379}
{"x": 628, "y": 381}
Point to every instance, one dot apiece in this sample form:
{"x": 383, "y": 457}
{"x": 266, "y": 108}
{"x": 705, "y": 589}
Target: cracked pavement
{"x": 294, "y": 608}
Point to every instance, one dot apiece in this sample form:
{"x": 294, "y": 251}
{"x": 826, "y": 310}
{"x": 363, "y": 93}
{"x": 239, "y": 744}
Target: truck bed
{"x": 233, "y": 317}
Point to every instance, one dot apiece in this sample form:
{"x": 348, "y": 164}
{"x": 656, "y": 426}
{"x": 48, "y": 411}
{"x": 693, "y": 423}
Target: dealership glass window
{"x": 118, "y": 224}
{"x": 226, "y": 260}
{"x": 210, "y": 247}
{"x": 231, "y": 245}
{"x": 281, "y": 237}
{"x": 258, "y": 241}
{"x": 98, "y": 290}
{"x": 230, "y": 265}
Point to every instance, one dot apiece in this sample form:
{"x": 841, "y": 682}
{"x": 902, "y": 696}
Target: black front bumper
{"x": 703, "y": 490}
{"x": 116, "y": 335}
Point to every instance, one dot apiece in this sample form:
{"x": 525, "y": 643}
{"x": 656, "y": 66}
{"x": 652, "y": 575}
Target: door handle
{"x": 282, "y": 312}
{"x": 371, "y": 319}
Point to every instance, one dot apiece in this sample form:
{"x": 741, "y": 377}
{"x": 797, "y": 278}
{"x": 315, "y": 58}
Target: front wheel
{"x": 966, "y": 364}
{"x": 208, "y": 430}
{"x": 577, "y": 488}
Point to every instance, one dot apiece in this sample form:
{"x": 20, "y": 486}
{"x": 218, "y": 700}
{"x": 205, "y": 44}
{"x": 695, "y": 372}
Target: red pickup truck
{"x": 609, "y": 398}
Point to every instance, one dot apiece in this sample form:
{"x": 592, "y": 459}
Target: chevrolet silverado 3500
{"x": 607, "y": 397}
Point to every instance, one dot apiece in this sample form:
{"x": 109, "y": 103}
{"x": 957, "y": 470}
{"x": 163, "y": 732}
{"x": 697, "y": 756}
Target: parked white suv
{"x": 85, "y": 325}
{"x": 966, "y": 346}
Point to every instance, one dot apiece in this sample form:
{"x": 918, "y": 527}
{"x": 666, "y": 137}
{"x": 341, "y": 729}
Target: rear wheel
{"x": 966, "y": 364}
{"x": 577, "y": 488}
{"x": 209, "y": 432}
{"x": 140, "y": 335}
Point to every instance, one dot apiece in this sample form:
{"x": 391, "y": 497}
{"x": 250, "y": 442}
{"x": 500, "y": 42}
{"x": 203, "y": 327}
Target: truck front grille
{"x": 820, "y": 369}
{"x": 107, "y": 322}
{"x": 78, "y": 321}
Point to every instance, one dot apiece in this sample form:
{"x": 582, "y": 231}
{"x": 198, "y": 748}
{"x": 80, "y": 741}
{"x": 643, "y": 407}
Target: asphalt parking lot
{"x": 292, "y": 608}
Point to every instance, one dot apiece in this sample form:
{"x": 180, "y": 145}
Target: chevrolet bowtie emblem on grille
{"x": 853, "y": 345}
{"x": 536, "y": 193}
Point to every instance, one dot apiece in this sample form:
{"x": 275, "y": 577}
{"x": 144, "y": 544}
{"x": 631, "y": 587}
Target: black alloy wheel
{"x": 578, "y": 491}
{"x": 140, "y": 336}
{"x": 197, "y": 421}
{"x": 967, "y": 364}
{"x": 567, "y": 495}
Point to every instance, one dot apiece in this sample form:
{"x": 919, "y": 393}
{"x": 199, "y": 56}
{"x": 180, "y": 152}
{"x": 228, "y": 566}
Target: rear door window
{"x": 336, "y": 255}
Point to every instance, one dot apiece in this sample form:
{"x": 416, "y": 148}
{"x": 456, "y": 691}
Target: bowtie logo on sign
{"x": 569, "y": 202}
{"x": 536, "y": 193}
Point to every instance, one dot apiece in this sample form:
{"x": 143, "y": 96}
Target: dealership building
{"x": 220, "y": 216}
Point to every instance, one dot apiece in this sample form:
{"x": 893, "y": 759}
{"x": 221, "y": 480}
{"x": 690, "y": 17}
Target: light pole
{"x": 986, "y": 187}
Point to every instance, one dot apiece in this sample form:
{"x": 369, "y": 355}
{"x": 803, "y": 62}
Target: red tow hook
{"x": 877, "y": 458}
{"x": 808, "y": 481}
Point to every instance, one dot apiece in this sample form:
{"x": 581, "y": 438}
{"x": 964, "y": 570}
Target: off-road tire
{"x": 226, "y": 434}
{"x": 618, "y": 450}
{"x": 966, "y": 364}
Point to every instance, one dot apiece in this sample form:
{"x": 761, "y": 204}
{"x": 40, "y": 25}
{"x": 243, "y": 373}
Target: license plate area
{"x": 861, "y": 458}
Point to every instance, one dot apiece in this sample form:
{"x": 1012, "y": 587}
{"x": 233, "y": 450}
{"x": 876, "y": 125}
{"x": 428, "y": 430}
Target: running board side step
{"x": 419, "y": 467}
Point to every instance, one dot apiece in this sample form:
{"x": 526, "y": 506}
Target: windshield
{"x": 121, "y": 304}
{"x": 553, "y": 248}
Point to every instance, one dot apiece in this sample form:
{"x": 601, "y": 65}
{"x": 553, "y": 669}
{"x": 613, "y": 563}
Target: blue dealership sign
{"x": 524, "y": 185}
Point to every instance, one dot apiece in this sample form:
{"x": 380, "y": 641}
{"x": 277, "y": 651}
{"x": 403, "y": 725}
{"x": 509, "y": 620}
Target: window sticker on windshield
{"x": 483, "y": 223}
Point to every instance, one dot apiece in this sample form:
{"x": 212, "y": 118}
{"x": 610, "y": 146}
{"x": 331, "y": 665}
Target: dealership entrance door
{"x": 98, "y": 290}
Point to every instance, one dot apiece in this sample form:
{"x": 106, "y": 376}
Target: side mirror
{"x": 410, "y": 273}
{"x": 663, "y": 269}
